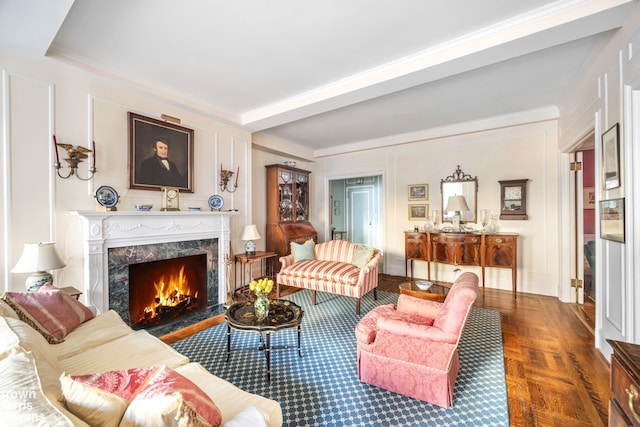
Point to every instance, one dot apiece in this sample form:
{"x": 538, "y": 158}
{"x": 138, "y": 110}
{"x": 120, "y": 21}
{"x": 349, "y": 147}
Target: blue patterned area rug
{"x": 322, "y": 387}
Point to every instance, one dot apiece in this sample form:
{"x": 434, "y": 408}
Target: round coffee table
{"x": 437, "y": 292}
{"x": 283, "y": 314}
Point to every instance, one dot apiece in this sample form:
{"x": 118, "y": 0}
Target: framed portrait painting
{"x": 611, "y": 158}
{"x": 419, "y": 192}
{"x": 418, "y": 212}
{"x": 612, "y": 220}
{"x": 160, "y": 154}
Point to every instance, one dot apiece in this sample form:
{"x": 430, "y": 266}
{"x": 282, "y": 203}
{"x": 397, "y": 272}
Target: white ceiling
{"x": 332, "y": 74}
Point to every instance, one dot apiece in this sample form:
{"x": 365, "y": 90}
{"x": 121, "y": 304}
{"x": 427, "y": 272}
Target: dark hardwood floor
{"x": 555, "y": 376}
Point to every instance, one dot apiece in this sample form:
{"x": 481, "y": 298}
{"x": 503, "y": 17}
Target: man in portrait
{"x": 159, "y": 170}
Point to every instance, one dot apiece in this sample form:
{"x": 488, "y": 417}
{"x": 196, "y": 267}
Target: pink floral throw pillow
{"x": 101, "y": 399}
{"x": 170, "y": 399}
{"x": 52, "y": 313}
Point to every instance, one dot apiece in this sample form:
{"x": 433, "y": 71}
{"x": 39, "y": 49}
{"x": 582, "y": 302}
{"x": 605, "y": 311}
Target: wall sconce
{"x": 37, "y": 258}
{"x": 76, "y": 154}
{"x": 225, "y": 177}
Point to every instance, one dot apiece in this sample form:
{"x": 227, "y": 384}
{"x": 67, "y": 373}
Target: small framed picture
{"x": 612, "y": 219}
{"x": 419, "y": 192}
{"x": 336, "y": 211}
{"x": 589, "y": 198}
{"x": 418, "y": 212}
{"x": 611, "y": 158}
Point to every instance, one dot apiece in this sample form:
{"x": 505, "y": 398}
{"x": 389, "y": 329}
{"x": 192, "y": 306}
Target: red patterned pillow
{"x": 52, "y": 313}
{"x": 101, "y": 399}
{"x": 170, "y": 399}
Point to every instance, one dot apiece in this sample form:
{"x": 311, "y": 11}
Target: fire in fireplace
{"x": 163, "y": 290}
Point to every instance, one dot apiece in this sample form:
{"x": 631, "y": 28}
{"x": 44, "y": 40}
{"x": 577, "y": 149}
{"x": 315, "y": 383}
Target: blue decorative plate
{"x": 216, "y": 202}
{"x": 106, "y": 196}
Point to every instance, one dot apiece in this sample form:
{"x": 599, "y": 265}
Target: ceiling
{"x": 331, "y": 75}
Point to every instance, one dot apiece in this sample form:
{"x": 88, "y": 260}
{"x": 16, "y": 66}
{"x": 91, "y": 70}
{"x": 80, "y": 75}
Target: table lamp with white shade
{"x": 250, "y": 234}
{"x": 456, "y": 204}
{"x": 37, "y": 258}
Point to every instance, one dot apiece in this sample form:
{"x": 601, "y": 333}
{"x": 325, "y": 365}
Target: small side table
{"x": 70, "y": 290}
{"x": 283, "y": 314}
{"x": 267, "y": 267}
{"x": 437, "y": 292}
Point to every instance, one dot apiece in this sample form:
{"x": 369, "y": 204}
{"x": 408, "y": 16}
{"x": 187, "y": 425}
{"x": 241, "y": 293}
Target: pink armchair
{"x": 413, "y": 349}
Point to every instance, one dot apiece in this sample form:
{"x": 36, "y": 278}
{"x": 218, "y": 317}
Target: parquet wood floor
{"x": 555, "y": 376}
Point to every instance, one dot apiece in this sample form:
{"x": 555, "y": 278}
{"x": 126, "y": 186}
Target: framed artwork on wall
{"x": 419, "y": 192}
{"x": 418, "y": 212}
{"x": 612, "y": 220}
{"x": 611, "y": 158}
{"x": 160, "y": 154}
{"x": 589, "y": 198}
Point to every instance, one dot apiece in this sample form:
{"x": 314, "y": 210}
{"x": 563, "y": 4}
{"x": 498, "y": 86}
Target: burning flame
{"x": 170, "y": 293}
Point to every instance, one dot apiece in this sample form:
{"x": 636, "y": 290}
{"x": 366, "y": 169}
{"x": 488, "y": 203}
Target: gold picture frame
{"x": 419, "y": 192}
{"x": 418, "y": 212}
{"x": 589, "y": 198}
{"x": 612, "y": 220}
{"x": 150, "y": 138}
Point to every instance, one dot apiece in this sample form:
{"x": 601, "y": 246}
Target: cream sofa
{"x": 30, "y": 371}
{"x": 336, "y": 266}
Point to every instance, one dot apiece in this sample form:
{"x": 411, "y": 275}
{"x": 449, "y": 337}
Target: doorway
{"x": 585, "y": 229}
{"x": 356, "y": 210}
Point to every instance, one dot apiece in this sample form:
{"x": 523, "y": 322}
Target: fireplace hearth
{"x": 161, "y": 291}
{"x": 113, "y": 240}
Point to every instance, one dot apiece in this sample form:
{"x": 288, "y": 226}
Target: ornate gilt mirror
{"x": 460, "y": 184}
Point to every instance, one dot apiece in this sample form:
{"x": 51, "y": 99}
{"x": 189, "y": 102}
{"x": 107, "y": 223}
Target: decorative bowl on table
{"x": 144, "y": 208}
{"x": 423, "y": 285}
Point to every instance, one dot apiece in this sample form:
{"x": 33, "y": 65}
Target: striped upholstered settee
{"x": 337, "y": 266}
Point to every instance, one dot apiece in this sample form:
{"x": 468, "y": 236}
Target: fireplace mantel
{"x": 104, "y": 230}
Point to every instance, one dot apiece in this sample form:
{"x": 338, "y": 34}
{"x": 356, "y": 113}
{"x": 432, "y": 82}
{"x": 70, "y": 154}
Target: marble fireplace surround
{"x": 105, "y": 230}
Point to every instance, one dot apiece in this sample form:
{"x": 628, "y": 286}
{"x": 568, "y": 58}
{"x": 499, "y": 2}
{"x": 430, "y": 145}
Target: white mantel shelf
{"x": 104, "y": 230}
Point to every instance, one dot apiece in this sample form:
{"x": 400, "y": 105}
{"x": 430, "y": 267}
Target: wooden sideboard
{"x": 624, "y": 405}
{"x": 485, "y": 250}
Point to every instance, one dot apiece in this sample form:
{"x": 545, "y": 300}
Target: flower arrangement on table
{"x": 261, "y": 288}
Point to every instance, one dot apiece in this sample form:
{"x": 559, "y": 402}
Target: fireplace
{"x": 113, "y": 240}
{"x": 161, "y": 291}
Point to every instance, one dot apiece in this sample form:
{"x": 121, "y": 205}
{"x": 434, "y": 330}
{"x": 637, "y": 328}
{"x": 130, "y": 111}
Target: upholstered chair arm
{"x": 421, "y": 307}
{"x": 404, "y": 328}
{"x": 286, "y": 261}
{"x": 367, "y": 326}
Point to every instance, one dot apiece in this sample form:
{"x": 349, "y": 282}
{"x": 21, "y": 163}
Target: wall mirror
{"x": 460, "y": 184}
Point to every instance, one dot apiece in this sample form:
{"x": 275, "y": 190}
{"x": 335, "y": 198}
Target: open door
{"x": 356, "y": 209}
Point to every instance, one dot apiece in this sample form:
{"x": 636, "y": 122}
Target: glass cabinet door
{"x": 302, "y": 197}
{"x": 286, "y": 186}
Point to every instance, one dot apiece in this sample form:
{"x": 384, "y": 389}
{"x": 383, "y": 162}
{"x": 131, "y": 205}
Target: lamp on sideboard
{"x": 456, "y": 204}
{"x": 250, "y": 234}
{"x": 37, "y": 258}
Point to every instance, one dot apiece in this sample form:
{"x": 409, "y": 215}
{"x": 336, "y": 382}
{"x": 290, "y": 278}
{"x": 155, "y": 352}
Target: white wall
{"x": 602, "y": 96}
{"x": 43, "y": 97}
{"x": 513, "y": 152}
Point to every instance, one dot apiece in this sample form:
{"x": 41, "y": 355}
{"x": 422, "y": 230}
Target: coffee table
{"x": 283, "y": 314}
{"x": 437, "y": 292}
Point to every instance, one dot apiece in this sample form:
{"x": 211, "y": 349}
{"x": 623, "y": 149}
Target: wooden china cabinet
{"x": 287, "y": 208}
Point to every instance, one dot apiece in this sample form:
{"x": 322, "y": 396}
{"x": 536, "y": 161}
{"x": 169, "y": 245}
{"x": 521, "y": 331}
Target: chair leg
{"x": 277, "y": 290}
{"x": 375, "y": 294}
{"x": 313, "y": 297}
{"x": 357, "y": 306}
